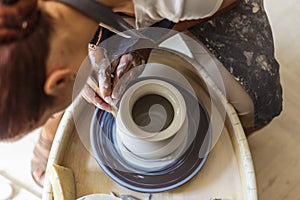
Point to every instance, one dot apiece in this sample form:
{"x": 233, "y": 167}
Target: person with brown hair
{"x": 37, "y": 67}
{"x": 43, "y": 43}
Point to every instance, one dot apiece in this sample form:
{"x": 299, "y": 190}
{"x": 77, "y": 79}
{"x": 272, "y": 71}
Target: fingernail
{"x": 121, "y": 65}
{"x": 114, "y": 101}
{"x": 108, "y": 99}
{"x": 129, "y": 56}
{"x": 99, "y": 106}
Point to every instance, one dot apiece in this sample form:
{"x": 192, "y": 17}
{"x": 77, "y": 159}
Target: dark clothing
{"x": 242, "y": 41}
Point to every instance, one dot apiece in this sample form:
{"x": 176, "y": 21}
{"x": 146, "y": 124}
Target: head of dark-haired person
{"x": 42, "y": 45}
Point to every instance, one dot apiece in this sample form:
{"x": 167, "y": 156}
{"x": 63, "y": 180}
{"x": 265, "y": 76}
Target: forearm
{"x": 226, "y": 6}
{"x": 185, "y": 13}
{"x": 122, "y": 6}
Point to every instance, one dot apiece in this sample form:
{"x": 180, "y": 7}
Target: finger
{"x": 134, "y": 69}
{"x": 97, "y": 56}
{"x": 91, "y": 96}
{"x": 104, "y": 80}
{"x": 124, "y": 81}
{"x": 102, "y": 104}
{"x": 101, "y": 69}
{"x": 120, "y": 87}
{"x": 124, "y": 65}
{"x": 115, "y": 61}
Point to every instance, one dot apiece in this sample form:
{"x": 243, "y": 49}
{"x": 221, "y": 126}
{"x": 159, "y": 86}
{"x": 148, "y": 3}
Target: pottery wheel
{"x": 129, "y": 175}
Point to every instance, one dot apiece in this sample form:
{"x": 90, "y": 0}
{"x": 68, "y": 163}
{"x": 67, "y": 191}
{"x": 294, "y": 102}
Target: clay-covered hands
{"x": 107, "y": 81}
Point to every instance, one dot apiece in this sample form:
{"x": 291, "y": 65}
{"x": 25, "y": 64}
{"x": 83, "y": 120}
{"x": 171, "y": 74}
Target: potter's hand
{"x": 129, "y": 67}
{"x": 108, "y": 80}
{"x": 96, "y": 89}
